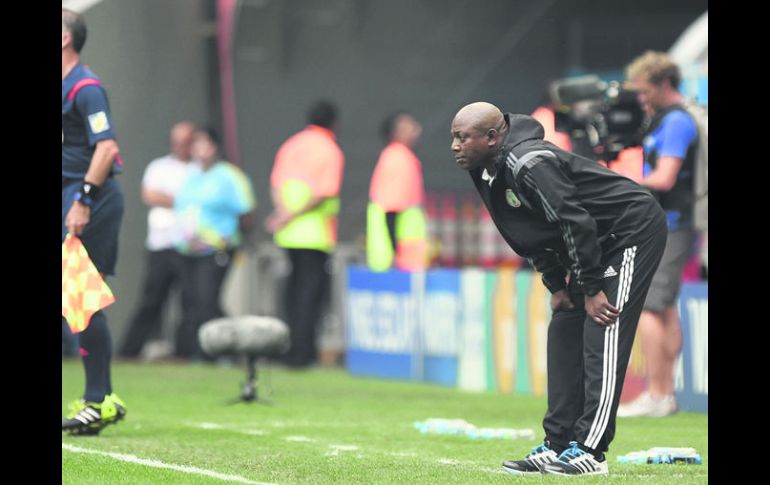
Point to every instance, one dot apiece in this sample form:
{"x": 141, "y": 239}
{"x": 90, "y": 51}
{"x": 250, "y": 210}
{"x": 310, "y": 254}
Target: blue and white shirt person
{"x": 673, "y": 134}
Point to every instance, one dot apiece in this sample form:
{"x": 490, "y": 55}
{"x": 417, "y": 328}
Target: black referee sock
{"x": 96, "y": 350}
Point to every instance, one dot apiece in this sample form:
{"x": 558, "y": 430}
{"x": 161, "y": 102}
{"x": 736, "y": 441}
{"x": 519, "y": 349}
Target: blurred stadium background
{"x": 160, "y": 62}
{"x": 252, "y": 67}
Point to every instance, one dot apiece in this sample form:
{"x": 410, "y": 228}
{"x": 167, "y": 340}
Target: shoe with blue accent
{"x": 576, "y": 461}
{"x": 533, "y": 463}
{"x": 89, "y": 418}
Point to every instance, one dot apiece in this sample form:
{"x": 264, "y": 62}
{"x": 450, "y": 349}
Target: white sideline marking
{"x": 300, "y": 439}
{"x": 334, "y": 450}
{"x": 470, "y": 465}
{"x": 311, "y": 424}
{"x": 448, "y": 461}
{"x": 401, "y": 454}
{"x": 159, "y": 464}
{"x": 208, "y": 426}
{"x": 344, "y": 447}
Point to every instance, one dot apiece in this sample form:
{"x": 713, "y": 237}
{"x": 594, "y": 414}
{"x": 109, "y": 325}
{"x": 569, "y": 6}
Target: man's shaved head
{"x": 481, "y": 116}
{"x": 478, "y": 132}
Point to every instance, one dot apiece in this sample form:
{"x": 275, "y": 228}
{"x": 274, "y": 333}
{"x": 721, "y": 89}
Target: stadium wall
{"x": 486, "y": 331}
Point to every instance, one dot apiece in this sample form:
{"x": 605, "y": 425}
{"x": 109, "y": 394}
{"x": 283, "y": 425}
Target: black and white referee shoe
{"x": 533, "y": 463}
{"x": 575, "y": 461}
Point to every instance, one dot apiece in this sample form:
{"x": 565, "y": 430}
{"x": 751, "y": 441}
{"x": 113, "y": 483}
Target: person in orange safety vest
{"x": 305, "y": 185}
{"x": 396, "y": 234}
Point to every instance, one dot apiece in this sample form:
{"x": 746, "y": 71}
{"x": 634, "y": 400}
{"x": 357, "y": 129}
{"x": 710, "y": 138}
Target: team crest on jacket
{"x": 511, "y": 198}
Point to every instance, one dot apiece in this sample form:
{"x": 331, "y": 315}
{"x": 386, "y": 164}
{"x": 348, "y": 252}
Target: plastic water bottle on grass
{"x": 662, "y": 456}
{"x": 443, "y": 426}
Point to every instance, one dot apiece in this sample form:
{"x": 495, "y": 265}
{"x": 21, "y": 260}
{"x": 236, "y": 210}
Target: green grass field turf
{"x": 325, "y": 426}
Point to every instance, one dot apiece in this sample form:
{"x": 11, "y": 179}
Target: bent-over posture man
{"x": 597, "y": 238}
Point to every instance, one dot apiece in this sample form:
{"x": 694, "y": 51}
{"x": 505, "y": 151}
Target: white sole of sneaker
{"x": 576, "y": 475}
{"x": 517, "y": 472}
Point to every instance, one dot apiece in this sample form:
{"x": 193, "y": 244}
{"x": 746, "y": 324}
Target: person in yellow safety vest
{"x": 396, "y": 234}
{"x": 305, "y": 185}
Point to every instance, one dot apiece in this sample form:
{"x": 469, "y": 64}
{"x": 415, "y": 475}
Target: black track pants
{"x": 586, "y": 361}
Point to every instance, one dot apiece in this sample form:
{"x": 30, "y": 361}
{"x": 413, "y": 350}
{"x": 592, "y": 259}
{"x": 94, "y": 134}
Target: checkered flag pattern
{"x": 83, "y": 290}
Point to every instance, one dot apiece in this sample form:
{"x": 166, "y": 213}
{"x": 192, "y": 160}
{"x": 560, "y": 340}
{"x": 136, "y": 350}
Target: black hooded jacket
{"x": 562, "y": 212}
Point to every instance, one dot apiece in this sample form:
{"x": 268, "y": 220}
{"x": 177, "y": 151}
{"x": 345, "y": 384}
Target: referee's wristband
{"x": 87, "y": 194}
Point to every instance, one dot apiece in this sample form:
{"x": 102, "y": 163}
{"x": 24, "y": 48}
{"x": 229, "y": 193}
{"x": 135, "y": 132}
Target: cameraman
{"x": 669, "y": 155}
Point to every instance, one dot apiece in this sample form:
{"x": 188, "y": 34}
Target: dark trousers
{"x": 586, "y": 361}
{"x": 306, "y": 292}
{"x": 69, "y": 341}
{"x": 162, "y": 274}
{"x": 202, "y": 279}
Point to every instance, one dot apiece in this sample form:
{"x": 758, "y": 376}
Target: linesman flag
{"x": 83, "y": 290}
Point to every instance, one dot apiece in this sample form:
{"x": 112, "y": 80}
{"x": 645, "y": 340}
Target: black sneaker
{"x": 89, "y": 418}
{"x": 533, "y": 463}
{"x": 576, "y": 461}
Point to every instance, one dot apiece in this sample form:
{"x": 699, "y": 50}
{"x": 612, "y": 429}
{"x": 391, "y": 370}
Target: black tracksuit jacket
{"x": 563, "y": 212}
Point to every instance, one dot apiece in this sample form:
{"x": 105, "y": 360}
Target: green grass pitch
{"x": 325, "y": 426}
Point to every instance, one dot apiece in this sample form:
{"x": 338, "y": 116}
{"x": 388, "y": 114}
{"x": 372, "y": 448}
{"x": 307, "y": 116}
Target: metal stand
{"x": 249, "y": 390}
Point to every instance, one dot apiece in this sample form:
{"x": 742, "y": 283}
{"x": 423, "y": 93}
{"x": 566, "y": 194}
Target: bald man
{"x": 161, "y": 181}
{"x": 597, "y": 239}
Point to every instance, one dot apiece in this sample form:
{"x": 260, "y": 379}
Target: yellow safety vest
{"x": 316, "y": 228}
{"x": 411, "y": 252}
